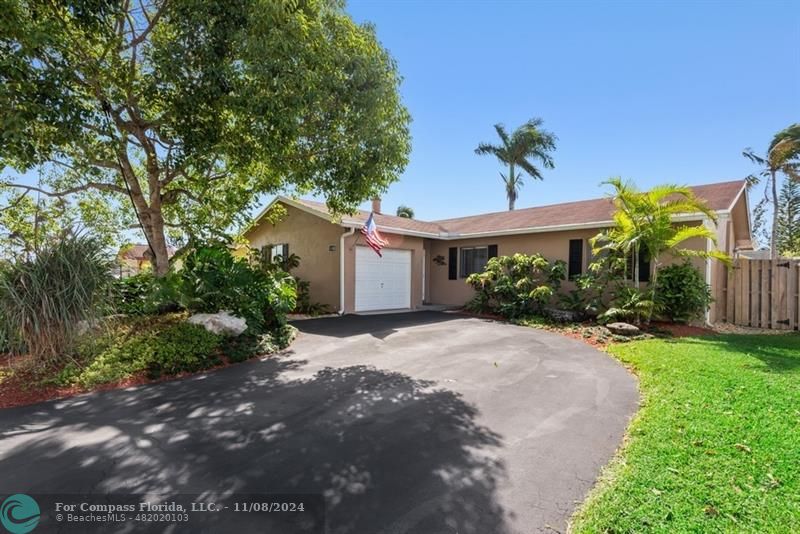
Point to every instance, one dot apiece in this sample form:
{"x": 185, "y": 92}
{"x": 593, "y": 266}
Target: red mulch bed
{"x": 22, "y": 386}
{"x": 683, "y": 330}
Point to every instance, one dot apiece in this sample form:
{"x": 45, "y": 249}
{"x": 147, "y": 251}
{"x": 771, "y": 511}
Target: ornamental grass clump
{"x": 44, "y": 300}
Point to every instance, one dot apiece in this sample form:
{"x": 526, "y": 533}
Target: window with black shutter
{"x": 492, "y": 251}
{"x": 473, "y": 260}
{"x": 281, "y": 249}
{"x": 643, "y": 266}
{"x": 575, "y": 258}
{"x": 452, "y": 264}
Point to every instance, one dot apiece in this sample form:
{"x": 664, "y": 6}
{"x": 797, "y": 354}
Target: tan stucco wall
{"x": 309, "y": 237}
{"x": 403, "y": 242}
{"x": 552, "y": 245}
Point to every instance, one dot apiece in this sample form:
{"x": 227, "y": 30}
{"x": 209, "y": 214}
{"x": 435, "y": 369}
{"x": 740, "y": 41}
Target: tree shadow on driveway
{"x": 379, "y": 326}
{"x": 389, "y": 453}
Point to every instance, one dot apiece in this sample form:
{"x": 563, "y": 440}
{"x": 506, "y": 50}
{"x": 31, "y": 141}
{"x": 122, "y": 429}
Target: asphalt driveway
{"x": 425, "y": 423}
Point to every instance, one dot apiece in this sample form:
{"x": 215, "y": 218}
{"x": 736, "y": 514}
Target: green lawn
{"x": 715, "y": 446}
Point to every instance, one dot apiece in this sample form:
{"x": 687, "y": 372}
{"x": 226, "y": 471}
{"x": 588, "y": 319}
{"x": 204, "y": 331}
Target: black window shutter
{"x": 644, "y": 267}
{"x": 492, "y": 251}
{"x": 285, "y": 251}
{"x": 452, "y": 264}
{"x": 575, "y": 257}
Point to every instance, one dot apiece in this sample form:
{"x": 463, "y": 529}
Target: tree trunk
{"x": 155, "y": 231}
{"x": 653, "y": 284}
{"x": 511, "y": 190}
{"x": 773, "y": 245}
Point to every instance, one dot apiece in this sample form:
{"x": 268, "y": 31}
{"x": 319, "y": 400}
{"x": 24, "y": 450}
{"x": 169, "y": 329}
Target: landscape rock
{"x": 623, "y": 329}
{"x": 562, "y": 316}
{"x": 222, "y": 323}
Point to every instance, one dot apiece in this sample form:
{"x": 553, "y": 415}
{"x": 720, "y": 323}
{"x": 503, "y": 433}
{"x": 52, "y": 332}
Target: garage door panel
{"x": 382, "y": 283}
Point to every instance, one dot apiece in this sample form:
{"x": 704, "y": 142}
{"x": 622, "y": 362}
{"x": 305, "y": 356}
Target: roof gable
{"x": 584, "y": 213}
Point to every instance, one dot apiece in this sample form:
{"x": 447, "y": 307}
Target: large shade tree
{"x": 520, "y": 151}
{"x": 186, "y": 111}
{"x": 782, "y": 159}
{"x": 645, "y": 226}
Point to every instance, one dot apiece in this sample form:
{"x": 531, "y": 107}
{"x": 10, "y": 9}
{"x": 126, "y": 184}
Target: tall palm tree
{"x": 405, "y": 211}
{"x": 644, "y": 225}
{"x": 526, "y": 145}
{"x": 782, "y": 157}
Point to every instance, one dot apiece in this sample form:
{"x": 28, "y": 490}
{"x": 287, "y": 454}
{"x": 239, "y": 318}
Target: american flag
{"x": 372, "y": 237}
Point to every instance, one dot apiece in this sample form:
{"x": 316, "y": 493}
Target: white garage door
{"x": 383, "y": 283}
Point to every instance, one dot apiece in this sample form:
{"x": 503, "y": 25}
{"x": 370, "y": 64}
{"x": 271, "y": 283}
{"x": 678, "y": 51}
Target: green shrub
{"x": 682, "y": 294}
{"x": 164, "y": 346}
{"x": 244, "y": 347}
{"x": 182, "y": 347}
{"x": 44, "y": 300}
{"x": 629, "y": 304}
{"x": 212, "y": 280}
{"x": 142, "y": 294}
{"x": 516, "y": 286}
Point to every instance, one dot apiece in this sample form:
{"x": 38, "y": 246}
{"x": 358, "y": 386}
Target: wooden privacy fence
{"x": 764, "y": 294}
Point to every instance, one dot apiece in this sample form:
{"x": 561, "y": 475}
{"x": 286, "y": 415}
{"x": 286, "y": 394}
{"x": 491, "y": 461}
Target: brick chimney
{"x": 376, "y": 205}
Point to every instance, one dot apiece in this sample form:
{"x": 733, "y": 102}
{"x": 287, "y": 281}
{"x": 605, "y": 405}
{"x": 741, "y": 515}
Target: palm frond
{"x": 685, "y": 233}
{"x": 502, "y": 133}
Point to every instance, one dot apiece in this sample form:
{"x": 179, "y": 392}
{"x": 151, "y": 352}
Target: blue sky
{"x": 652, "y": 91}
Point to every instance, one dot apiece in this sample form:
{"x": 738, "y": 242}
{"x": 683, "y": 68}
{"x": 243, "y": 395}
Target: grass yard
{"x": 716, "y": 444}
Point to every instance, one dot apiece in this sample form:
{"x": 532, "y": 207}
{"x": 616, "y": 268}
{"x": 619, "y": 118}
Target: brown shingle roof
{"x": 719, "y": 196}
{"x": 382, "y": 220}
{"x": 141, "y": 252}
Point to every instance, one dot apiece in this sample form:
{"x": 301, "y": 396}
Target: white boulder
{"x": 222, "y": 323}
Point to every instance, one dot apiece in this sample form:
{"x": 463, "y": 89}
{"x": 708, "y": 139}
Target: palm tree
{"x": 405, "y": 211}
{"x": 518, "y": 151}
{"x": 783, "y": 157}
{"x": 644, "y": 225}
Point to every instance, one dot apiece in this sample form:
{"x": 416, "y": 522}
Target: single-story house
{"x": 133, "y": 259}
{"x": 426, "y": 262}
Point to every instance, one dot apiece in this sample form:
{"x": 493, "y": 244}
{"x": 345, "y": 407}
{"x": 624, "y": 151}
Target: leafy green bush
{"x": 244, "y": 347}
{"x": 180, "y": 348}
{"x": 143, "y": 294}
{"x": 682, "y": 294}
{"x": 164, "y": 346}
{"x": 44, "y": 300}
{"x": 212, "y": 280}
{"x": 516, "y": 286}
{"x": 629, "y": 304}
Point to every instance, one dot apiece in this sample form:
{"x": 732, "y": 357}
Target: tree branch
{"x": 108, "y": 188}
{"x": 139, "y": 39}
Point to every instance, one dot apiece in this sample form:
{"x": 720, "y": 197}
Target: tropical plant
{"x": 787, "y": 235}
{"x": 184, "y": 112}
{"x": 516, "y": 286}
{"x": 782, "y": 158}
{"x": 682, "y": 293}
{"x": 212, "y": 280}
{"x": 519, "y": 151}
{"x": 644, "y": 226}
{"x": 405, "y": 211}
{"x": 629, "y": 304}
{"x": 44, "y": 300}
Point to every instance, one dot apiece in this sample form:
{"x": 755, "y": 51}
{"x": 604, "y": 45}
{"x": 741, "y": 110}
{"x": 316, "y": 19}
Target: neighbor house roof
{"x": 585, "y": 213}
{"x": 140, "y": 252}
